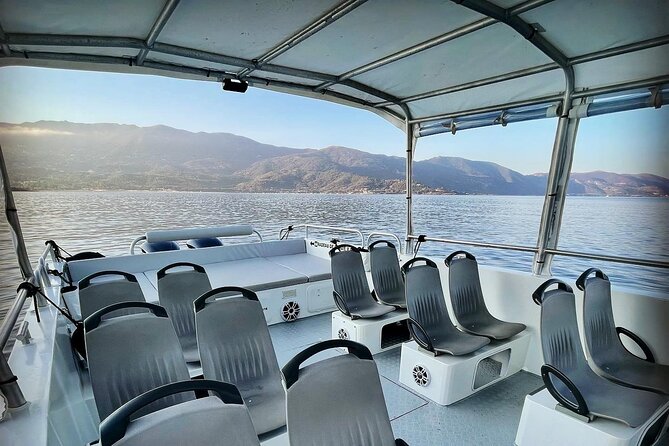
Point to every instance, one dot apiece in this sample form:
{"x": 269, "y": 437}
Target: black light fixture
{"x": 235, "y": 85}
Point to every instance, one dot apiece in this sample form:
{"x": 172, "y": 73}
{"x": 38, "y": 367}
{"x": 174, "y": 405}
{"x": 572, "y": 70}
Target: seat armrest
{"x": 400, "y": 442}
{"x": 642, "y": 345}
{"x": 424, "y": 339}
{"x": 341, "y": 303}
{"x": 580, "y": 407}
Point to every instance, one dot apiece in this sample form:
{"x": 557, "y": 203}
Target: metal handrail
{"x": 10, "y": 387}
{"x": 306, "y": 227}
{"x": 607, "y": 258}
{"x": 559, "y": 252}
{"x": 383, "y": 234}
{"x": 480, "y": 244}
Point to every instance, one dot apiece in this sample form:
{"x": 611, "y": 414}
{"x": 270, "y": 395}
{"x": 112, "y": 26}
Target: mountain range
{"x": 57, "y": 155}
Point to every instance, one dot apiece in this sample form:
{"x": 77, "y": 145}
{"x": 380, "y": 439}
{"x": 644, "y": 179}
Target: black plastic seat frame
{"x": 386, "y": 274}
{"x": 114, "y": 427}
{"x": 94, "y": 295}
{"x": 429, "y": 323}
{"x": 177, "y": 290}
{"x": 567, "y": 375}
{"x": 345, "y": 402}
{"x": 131, "y": 354}
{"x": 608, "y": 356}
{"x": 351, "y": 289}
{"x": 467, "y": 300}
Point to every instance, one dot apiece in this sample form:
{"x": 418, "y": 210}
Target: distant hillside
{"x": 64, "y": 155}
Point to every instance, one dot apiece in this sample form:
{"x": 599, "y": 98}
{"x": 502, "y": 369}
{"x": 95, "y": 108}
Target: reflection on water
{"x": 109, "y": 221}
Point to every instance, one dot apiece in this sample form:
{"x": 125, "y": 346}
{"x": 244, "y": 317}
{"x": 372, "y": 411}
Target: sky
{"x": 628, "y": 142}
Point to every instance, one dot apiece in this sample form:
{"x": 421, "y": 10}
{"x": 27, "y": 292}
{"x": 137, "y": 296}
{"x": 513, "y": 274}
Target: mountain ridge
{"x": 66, "y": 155}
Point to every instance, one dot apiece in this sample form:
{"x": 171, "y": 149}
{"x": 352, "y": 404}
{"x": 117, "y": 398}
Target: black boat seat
{"x": 566, "y": 373}
{"x": 386, "y": 274}
{"x": 429, "y": 323}
{"x": 128, "y": 355}
{"x": 204, "y": 421}
{"x": 608, "y": 356}
{"x": 176, "y": 292}
{"x": 236, "y": 347}
{"x": 336, "y": 401}
{"x": 351, "y": 289}
{"x": 210, "y": 242}
{"x": 97, "y": 291}
{"x": 469, "y": 307}
{"x": 148, "y": 247}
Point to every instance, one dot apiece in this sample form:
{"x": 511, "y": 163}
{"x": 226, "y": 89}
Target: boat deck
{"x": 489, "y": 417}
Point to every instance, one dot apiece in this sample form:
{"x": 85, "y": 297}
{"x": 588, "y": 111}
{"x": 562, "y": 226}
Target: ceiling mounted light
{"x": 235, "y": 85}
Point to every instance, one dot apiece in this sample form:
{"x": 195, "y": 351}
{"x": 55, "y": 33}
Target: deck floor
{"x": 489, "y": 417}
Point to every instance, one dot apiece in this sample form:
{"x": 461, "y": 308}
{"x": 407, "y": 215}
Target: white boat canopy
{"x": 427, "y": 60}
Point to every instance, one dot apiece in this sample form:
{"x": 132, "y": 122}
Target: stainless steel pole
{"x": 14, "y": 224}
{"x": 410, "y": 149}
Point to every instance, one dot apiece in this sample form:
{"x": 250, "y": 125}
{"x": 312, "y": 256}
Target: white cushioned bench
{"x": 282, "y": 269}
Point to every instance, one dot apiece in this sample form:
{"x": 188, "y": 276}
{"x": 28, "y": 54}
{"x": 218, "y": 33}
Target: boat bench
{"x": 446, "y": 379}
{"x": 377, "y": 334}
{"x": 290, "y": 282}
{"x": 546, "y": 422}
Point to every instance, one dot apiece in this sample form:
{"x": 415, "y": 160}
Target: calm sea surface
{"x": 109, "y": 221}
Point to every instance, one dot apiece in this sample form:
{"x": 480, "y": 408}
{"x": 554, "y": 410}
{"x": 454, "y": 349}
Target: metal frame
{"x": 323, "y": 21}
{"x": 383, "y": 234}
{"x": 560, "y": 252}
{"x": 585, "y": 58}
{"x": 163, "y": 48}
{"x": 306, "y": 227}
{"x": 431, "y": 43}
{"x": 157, "y": 27}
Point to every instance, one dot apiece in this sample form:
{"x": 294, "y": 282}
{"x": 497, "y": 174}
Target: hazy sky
{"x": 629, "y": 142}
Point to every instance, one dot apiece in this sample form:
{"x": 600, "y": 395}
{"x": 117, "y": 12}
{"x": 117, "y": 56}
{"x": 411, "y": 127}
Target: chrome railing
{"x": 8, "y": 382}
{"x": 384, "y": 234}
{"x": 558, "y": 252}
{"x": 285, "y": 232}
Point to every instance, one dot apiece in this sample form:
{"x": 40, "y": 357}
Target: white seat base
{"x": 541, "y": 423}
{"x": 368, "y": 332}
{"x": 446, "y": 379}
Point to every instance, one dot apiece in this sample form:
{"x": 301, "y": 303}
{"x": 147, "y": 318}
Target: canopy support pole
{"x": 411, "y": 138}
{"x": 556, "y": 193}
{"x": 565, "y": 135}
{"x": 14, "y": 224}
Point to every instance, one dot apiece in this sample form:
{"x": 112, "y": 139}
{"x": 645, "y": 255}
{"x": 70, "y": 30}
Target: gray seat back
{"x": 601, "y": 339}
{"x": 469, "y": 308}
{"x": 349, "y": 279}
{"x": 609, "y": 357}
{"x": 560, "y": 340}
{"x": 464, "y": 286}
{"x": 128, "y": 355}
{"x": 337, "y": 401}
{"x": 425, "y": 298}
{"x": 218, "y": 419}
{"x": 235, "y": 346}
{"x": 95, "y": 294}
{"x": 566, "y": 373}
{"x": 176, "y": 291}
{"x": 386, "y": 274}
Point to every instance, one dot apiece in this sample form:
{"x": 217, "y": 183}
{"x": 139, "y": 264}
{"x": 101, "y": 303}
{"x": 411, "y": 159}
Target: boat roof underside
{"x": 421, "y": 59}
